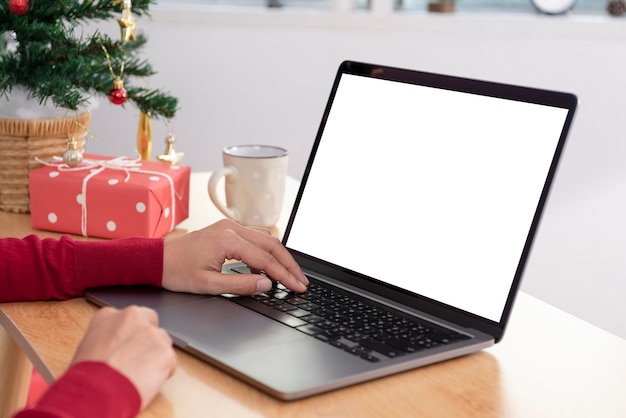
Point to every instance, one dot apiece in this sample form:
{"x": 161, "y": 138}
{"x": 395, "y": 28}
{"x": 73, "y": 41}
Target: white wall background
{"x": 264, "y": 76}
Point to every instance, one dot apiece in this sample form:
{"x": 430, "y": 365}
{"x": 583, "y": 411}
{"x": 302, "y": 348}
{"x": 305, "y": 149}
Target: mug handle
{"x": 230, "y": 174}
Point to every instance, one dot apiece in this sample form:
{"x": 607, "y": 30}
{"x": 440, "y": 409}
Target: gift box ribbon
{"x": 125, "y": 164}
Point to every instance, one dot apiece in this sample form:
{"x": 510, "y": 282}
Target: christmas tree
{"x": 49, "y": 54}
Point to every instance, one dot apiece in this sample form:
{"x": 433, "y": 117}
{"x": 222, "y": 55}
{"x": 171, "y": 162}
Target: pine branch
{"x": 155, "y": 102}
{"x": 53, "y": 63}
{"x": 72, "y": 11}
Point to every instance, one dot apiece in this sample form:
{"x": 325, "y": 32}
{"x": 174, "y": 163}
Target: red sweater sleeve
{"x": 87, "y": 389}
{"x": 36, "y": 269}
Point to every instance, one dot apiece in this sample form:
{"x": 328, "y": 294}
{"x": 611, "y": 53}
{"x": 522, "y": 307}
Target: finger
{"x": 281, "y": 258}
{"x": 132, "y": 318}
{"x": 263, "y": 259}
{"x": 104, "y": 312}
{"x": 226, "y": 224}
{"x": 147, "y": 359}
{"x": 148, "y": 314}
{"x": 237, "y": 284}
{"x": 261, "y": 229}
{"x": 106, "y": 320}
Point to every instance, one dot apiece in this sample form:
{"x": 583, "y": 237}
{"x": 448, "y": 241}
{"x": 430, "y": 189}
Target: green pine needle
{"x": 54, "y": 61}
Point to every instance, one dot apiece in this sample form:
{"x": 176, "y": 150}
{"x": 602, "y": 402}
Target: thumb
{"x": 238, "y": 284}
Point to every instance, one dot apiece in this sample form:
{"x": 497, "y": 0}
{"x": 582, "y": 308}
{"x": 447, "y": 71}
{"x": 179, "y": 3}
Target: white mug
{"x": 254, "y": 184}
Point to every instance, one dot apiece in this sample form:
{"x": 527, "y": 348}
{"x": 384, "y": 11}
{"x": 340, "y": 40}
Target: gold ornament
{"x": 72, "y": 156}
{"x": 144, "y": 136}
{"x": 127, "y": 22}
{"x": 170, "y": 156}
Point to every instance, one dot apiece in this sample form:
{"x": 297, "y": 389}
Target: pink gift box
{"x": 110, "y": 197}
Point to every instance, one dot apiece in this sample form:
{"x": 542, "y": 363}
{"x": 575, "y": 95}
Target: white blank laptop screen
{"x": 446, "y": 182}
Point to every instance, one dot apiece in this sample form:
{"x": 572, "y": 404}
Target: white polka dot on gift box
{"x": 53, "y": 217}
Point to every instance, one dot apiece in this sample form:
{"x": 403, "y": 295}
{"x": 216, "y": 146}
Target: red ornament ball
{"x": 19, "y": 7}
{"x": 118, "y": 96}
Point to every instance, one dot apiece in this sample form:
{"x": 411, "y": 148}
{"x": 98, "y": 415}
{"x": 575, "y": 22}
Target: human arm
{"x": 193, "y": 263}
{"x": 41, "y": 269}
{"x": 117, "y": 370}
{"x": 87, "y": 389}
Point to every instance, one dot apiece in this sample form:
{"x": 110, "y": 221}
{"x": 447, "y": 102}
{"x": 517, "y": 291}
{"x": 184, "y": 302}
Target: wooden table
{"x": 549, "y": 364}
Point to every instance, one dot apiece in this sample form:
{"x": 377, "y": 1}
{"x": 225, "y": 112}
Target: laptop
{"x": 414, "y": 221}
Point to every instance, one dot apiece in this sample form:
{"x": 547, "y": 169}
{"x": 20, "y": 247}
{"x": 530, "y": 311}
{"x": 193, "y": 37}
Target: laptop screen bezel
{"x": 563, "y": 100}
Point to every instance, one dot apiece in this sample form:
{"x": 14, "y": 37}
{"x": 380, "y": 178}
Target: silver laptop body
{"x": 420, "y": 199}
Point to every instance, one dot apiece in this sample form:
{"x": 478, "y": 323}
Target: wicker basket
{"x": 21, "y": 141}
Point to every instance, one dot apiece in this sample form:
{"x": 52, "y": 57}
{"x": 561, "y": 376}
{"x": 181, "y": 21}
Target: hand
{"x": 131, "y": 342}
{"x": 193, "y": 262}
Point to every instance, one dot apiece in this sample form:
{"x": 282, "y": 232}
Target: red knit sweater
{"x": 35, "y": 269}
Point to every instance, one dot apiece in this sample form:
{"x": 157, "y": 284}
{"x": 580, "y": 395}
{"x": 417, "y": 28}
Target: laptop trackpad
{"x": 222, "y": 329}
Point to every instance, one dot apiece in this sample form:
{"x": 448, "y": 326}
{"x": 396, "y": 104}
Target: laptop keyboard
{"x": 352, "y": 325}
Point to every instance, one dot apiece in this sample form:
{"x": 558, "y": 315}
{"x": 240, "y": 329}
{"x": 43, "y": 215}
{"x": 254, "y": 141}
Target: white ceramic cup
{"x": 254, "y": 184}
